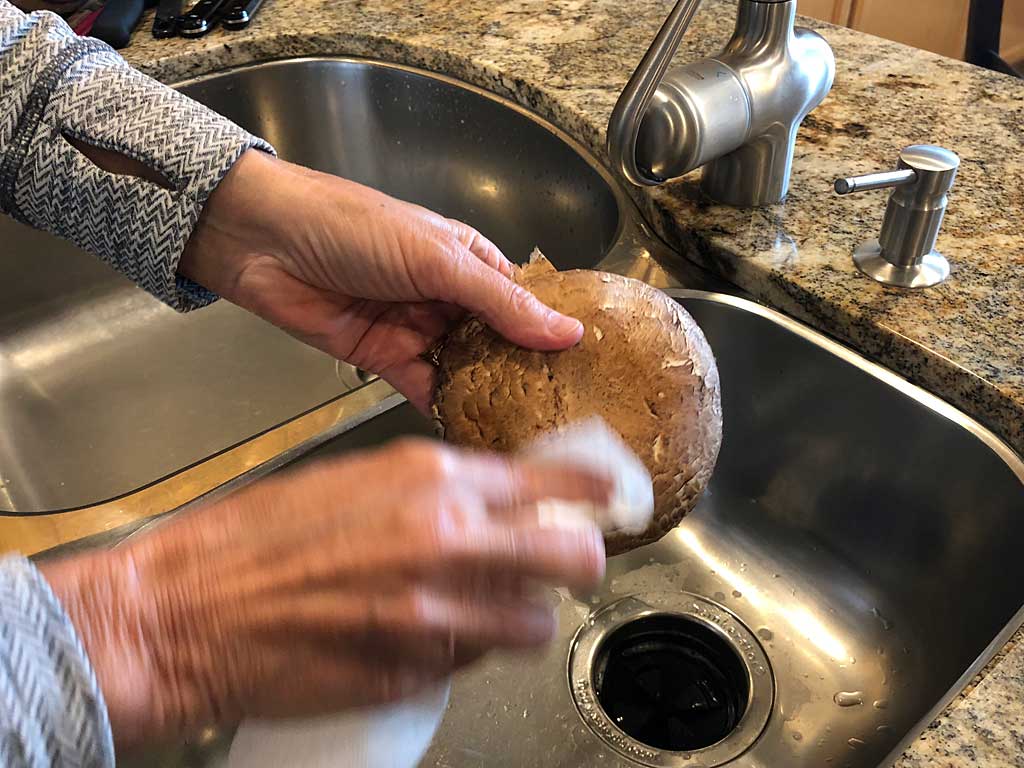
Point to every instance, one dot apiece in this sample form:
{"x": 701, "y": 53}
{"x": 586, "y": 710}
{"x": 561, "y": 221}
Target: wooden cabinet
{"x": 836, "y": 11}
{"x": 935, "y": 25}
{"x": 1013, "y": 31}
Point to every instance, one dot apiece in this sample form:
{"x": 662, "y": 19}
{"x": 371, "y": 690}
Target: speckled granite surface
{"x": 567, "y": 59}
{"x": 985, "y": 728}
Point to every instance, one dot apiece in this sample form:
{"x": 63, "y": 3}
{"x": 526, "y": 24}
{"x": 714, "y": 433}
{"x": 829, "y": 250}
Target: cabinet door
{"x": 1013, "y": 31}
{"x": 836, "y": 11}
{"x": 935, "y": 26}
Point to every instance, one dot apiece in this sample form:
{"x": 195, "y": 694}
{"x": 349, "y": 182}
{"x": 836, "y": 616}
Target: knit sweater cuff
{"x": 51, "y": 709}
{"x": 82, "y": 89}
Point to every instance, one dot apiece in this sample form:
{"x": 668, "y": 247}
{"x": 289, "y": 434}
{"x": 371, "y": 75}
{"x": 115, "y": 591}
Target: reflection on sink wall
{"x": 104, "y": 390}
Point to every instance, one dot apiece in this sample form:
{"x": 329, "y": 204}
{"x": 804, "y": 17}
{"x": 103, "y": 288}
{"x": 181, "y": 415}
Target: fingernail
{"x": 563, "y": 325}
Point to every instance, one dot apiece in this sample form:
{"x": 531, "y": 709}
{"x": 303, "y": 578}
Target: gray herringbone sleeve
{"x": 52, "y": 714}
{"x": 54, "y": 85}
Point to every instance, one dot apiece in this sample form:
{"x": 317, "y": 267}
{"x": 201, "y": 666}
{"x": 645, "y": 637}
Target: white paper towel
{"x": 593, "y": 445}
{"x": 393, "y": 736}
{"x": 398, "y": 735}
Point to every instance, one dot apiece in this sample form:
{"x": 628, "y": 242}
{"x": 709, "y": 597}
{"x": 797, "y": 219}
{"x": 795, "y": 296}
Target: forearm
{"x": 51, "y": 710}
{"x": 101, "y": 595}
{"x": 69, "y": 106}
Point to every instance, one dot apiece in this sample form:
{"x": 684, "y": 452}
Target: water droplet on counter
{"x": 849, "y": 698}
{"x": 743, "y": 567}
{"x": 526, "y": 713}
{"x": 886, "y": 624}
{"x": 766, "y": 634}
{"x": 855, "y": 743}
{"x": 881, "y": 704}
{"x": 797, "y": 736}
{"x": 737, "y": 593}
{"x": 719, "y": 596}
{"x": 775, "y": 575}
{"x": 883, "y": 729}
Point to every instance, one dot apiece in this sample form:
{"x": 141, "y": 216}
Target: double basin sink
{"x": 854, "y": 562}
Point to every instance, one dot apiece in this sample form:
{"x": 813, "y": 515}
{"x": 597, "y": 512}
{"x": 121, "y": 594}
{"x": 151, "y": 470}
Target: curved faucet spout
{"x": 631, "y": 107}
{"x": 736, "y": 113}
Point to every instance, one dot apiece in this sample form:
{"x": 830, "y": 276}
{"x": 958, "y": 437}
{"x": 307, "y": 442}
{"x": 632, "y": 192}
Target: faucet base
{"x": 932, "y": 270}
{"x": 755, "y": 175}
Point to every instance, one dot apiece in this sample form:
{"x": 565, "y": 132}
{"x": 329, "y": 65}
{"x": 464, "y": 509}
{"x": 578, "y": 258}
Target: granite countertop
{"x": 568, "y": 60}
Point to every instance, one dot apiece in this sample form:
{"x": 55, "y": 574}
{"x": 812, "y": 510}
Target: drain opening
{"x": 671, "y": 683}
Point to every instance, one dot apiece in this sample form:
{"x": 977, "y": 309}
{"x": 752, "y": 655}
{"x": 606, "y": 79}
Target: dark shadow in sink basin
{"x": 455, "y": 150}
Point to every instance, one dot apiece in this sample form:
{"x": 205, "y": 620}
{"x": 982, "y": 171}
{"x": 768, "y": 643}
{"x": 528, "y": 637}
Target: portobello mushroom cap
{"x": 643, "y": 365}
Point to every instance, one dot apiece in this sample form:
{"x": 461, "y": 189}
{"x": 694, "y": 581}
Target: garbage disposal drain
{"x": 671, "y": 683}
{"x": 667, "y": 677}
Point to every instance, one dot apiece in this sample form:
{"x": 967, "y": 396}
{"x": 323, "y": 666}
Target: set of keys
{"x": 172, "y": 21}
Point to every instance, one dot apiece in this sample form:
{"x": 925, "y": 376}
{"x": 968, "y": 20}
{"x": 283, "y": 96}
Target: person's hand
{"x": 344, "y": 584}
{"x": 365, "y": 277}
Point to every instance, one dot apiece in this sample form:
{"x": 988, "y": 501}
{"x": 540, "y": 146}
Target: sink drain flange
{"x": 589, "y": 661}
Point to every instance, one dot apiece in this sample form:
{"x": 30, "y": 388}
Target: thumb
{"x": 505, "y": 306}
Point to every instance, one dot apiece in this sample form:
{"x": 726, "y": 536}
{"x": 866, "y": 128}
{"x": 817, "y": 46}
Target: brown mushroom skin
{"x": 643, "y": 366}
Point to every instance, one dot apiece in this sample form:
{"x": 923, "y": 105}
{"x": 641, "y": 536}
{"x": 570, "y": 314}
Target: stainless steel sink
{"x": 857, "y": 552}
{"x": 104, "y": 392}
{"x": 859, "y": 544}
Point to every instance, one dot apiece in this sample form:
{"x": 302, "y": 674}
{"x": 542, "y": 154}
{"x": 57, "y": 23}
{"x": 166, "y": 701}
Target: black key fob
{"x": 239, "y": 13}
{"x": 117, "y": 21}
{"x": 200, "y": 20}
{"x": 165, "y": 24}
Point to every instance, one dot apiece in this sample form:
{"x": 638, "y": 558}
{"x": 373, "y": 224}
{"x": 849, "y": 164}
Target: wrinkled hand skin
{"x": 360, "y": 275}
{"x": 345, "y": 583}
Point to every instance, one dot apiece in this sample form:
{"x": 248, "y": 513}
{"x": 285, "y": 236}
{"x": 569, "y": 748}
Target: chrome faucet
{"x": 737, "y": 113}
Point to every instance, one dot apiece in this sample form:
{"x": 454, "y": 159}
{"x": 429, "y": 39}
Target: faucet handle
{"x": 904, "y": 255}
